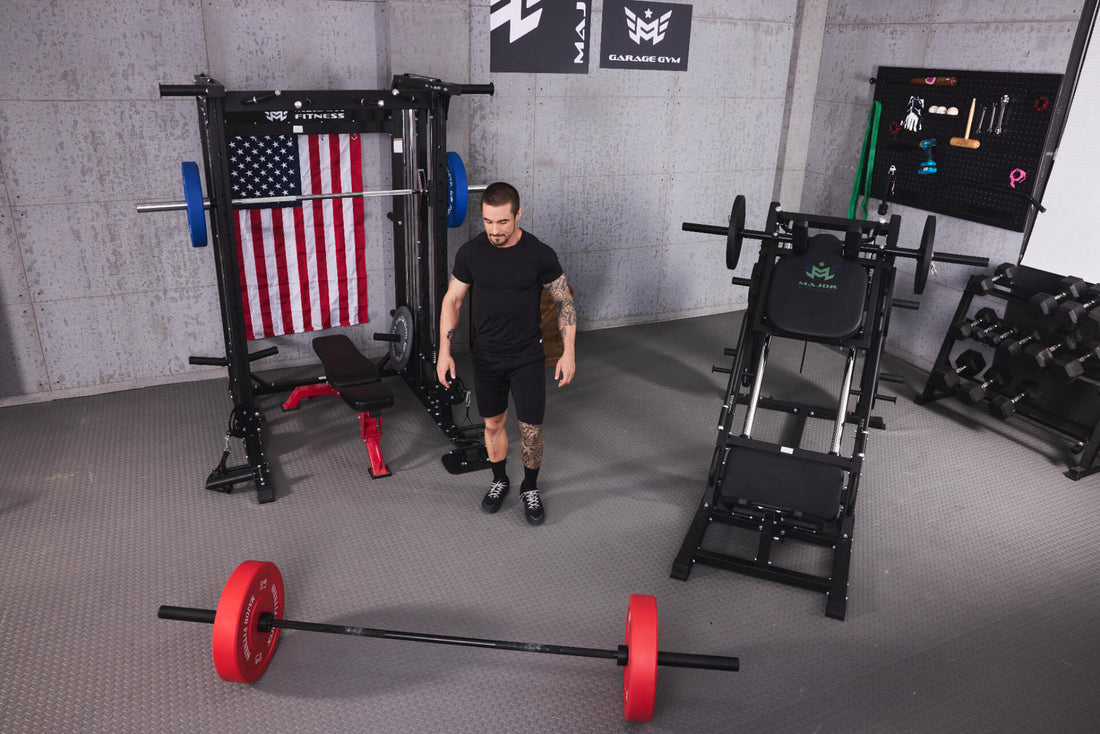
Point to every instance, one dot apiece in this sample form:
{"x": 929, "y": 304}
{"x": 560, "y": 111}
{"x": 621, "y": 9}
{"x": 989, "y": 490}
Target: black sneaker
{"x": 494, "y": 498}
{"x": 532, "y": 507}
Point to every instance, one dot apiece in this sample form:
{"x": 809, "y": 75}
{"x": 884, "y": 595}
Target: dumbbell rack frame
{"x": 1069, "y": 409}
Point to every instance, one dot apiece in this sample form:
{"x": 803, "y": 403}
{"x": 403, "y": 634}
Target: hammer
{"x": 966, "y": 141}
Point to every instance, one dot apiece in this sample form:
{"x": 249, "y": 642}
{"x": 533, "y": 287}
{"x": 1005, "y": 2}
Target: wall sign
{"x": 539, "y": 36}
{"x": 645, "y": 35}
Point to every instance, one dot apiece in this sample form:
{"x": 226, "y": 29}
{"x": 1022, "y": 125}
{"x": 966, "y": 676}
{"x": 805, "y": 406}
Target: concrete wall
{"x": 95, "y": 297}
{"x": 860, "y": 35}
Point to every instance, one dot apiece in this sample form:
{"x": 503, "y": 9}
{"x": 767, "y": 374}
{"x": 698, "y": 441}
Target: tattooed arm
{"x": 448, "y": 323}
{"x": 567, "y": 323}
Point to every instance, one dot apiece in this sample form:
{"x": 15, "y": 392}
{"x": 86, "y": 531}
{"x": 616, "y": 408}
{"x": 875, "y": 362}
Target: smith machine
{"x": 429, "y": 192}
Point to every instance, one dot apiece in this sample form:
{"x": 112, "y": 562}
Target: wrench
{"x": 1001, "y": 117}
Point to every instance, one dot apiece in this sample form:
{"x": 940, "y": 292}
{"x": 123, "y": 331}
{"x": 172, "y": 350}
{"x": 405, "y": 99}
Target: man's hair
{"x": 500, "y": 193}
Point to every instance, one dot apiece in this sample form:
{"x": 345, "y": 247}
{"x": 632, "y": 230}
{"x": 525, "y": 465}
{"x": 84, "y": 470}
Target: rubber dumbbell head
{"x": 984, "y": 317}
{"x": 1013, "y": 347}
{"x": 968, "y": 363}
{"x": 973, "y": 393}
{"x": 1003, "y": 275}
{"x": 1003, "y": 406}
{"x": 1044, "y": 354}
{"x": 1073, "y": 365}
{"x": 1071, "y": 312}
{"x": 999, "y": 333}
{"x": 1044, "y": 304}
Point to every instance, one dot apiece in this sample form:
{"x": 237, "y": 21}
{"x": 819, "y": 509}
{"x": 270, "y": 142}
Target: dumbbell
{"x": 1044, "y": 329}
{"x": 1004, "y": 406}
{"x": 1003, "y": 275}
{"x": 1043, "y": 354}
{"x": 1073, "y": 365}
{"x": 973, "y": 393}
{"x": 1013, "y": 347}
{"x": 967, "y": 364}
{"x": 1070, "y": 312}
{"x": 984, "y": 317}
{"x": 997, "y": 333}
{"x": 1044, "y": 304}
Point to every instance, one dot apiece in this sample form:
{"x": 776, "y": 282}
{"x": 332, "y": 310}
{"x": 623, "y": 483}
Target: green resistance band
{"x": 866, "y": 162}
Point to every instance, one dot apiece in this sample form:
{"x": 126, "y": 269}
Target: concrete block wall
{"x": 612, "y": 162}
{"x": 859, "y": 36}
{"x": 95, "y": 297}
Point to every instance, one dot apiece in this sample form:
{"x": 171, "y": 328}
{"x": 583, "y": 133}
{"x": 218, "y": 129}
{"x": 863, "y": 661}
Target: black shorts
{"x": 526, "y": 382}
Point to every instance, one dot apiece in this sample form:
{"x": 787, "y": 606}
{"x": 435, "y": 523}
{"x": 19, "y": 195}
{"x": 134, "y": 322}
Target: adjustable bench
{"x": 355, "y": 379}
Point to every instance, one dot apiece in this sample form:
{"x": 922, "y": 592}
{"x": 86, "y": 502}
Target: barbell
{"x": 195, "y": 204}
{"x": 249, "y": 618}
{"x": 735, "y": 233}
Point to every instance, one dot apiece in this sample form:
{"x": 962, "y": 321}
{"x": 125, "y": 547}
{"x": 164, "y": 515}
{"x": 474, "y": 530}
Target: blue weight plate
{"x": 457, "y": 190}
{"x": 192, "y": 195}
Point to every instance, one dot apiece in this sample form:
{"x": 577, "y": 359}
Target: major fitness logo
{"x": 818, "y": 277}
{"x": 645, "y": 35}
{"x": 539, "y": 36}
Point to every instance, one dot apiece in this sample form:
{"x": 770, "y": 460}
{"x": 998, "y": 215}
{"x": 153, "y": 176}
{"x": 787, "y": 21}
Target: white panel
{"x": 1064, "y": 239}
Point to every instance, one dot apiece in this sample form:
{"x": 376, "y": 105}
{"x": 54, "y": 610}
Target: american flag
{"x": 302, "y": 263}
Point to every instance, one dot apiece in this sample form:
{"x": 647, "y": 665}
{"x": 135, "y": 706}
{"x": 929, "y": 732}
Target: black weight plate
{"x": 404, "y": 328}
{"x": 924, "y": 255}
{"x": 735, "y": 234}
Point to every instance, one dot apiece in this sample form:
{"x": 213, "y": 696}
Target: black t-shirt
{"x": 506, "y": 285}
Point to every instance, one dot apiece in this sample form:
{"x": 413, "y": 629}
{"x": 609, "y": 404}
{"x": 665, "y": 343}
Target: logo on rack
{"x": 305, "y": 116}
{"x": 533, "y": 36}
{"x": 647, "y": 25}
{"x": 639, "y": 30}
{"x": 818, "y": 277}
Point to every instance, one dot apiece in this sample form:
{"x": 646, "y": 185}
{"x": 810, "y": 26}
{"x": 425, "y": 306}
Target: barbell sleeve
{"x": 950, "y": 257}
{"x": 186, "y": 614}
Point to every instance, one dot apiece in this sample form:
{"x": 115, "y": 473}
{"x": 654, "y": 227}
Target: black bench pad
{"x": 818, "y": 295}
{"x": 783, "y": 482}
{"x": 345, "y": 366}
{"x": 367, "y": 398}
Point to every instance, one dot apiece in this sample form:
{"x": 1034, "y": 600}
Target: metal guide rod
{"x": 757, "y": 383}
{"x": 267, "y": 621}
{"x": 432, "y": 343}
{"x": 842, "y": 407}
{"x": 411, "y": 214}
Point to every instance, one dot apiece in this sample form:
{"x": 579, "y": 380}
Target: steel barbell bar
{"x": 175, "y": 205}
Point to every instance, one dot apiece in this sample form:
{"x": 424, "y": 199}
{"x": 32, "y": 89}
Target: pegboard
{"x": 993, "y": 183}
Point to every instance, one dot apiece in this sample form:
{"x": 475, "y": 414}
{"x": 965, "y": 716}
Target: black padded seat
{"x": 367, "y": 398}
{"x": 345, "y": 366}
{"x": 780, "y": 481}
{"x": 818, "y": 294}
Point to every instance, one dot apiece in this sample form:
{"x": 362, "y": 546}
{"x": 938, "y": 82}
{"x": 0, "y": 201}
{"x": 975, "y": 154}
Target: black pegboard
{"x": 973, "y": 184}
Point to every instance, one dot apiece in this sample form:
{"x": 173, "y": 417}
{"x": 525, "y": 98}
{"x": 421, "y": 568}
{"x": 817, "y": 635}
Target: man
{"x": 507, "y": 269}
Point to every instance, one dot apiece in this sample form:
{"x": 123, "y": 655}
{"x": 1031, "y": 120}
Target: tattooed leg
{"x": 530, "y": 445}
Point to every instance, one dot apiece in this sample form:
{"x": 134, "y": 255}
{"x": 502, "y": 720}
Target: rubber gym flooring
{"x": 972, "y": 607}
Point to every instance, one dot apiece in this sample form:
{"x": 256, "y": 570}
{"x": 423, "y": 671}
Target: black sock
{"x": 530, "y": 478}
{"x": 499, "y": 474}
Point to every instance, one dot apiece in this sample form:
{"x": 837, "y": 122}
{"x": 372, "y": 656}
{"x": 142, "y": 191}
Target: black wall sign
{"x": 540, "y": 36}
{"x": 644, "y": 35}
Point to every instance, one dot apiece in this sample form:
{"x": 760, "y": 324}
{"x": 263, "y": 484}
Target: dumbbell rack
{"x": 1070, "y": 408}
